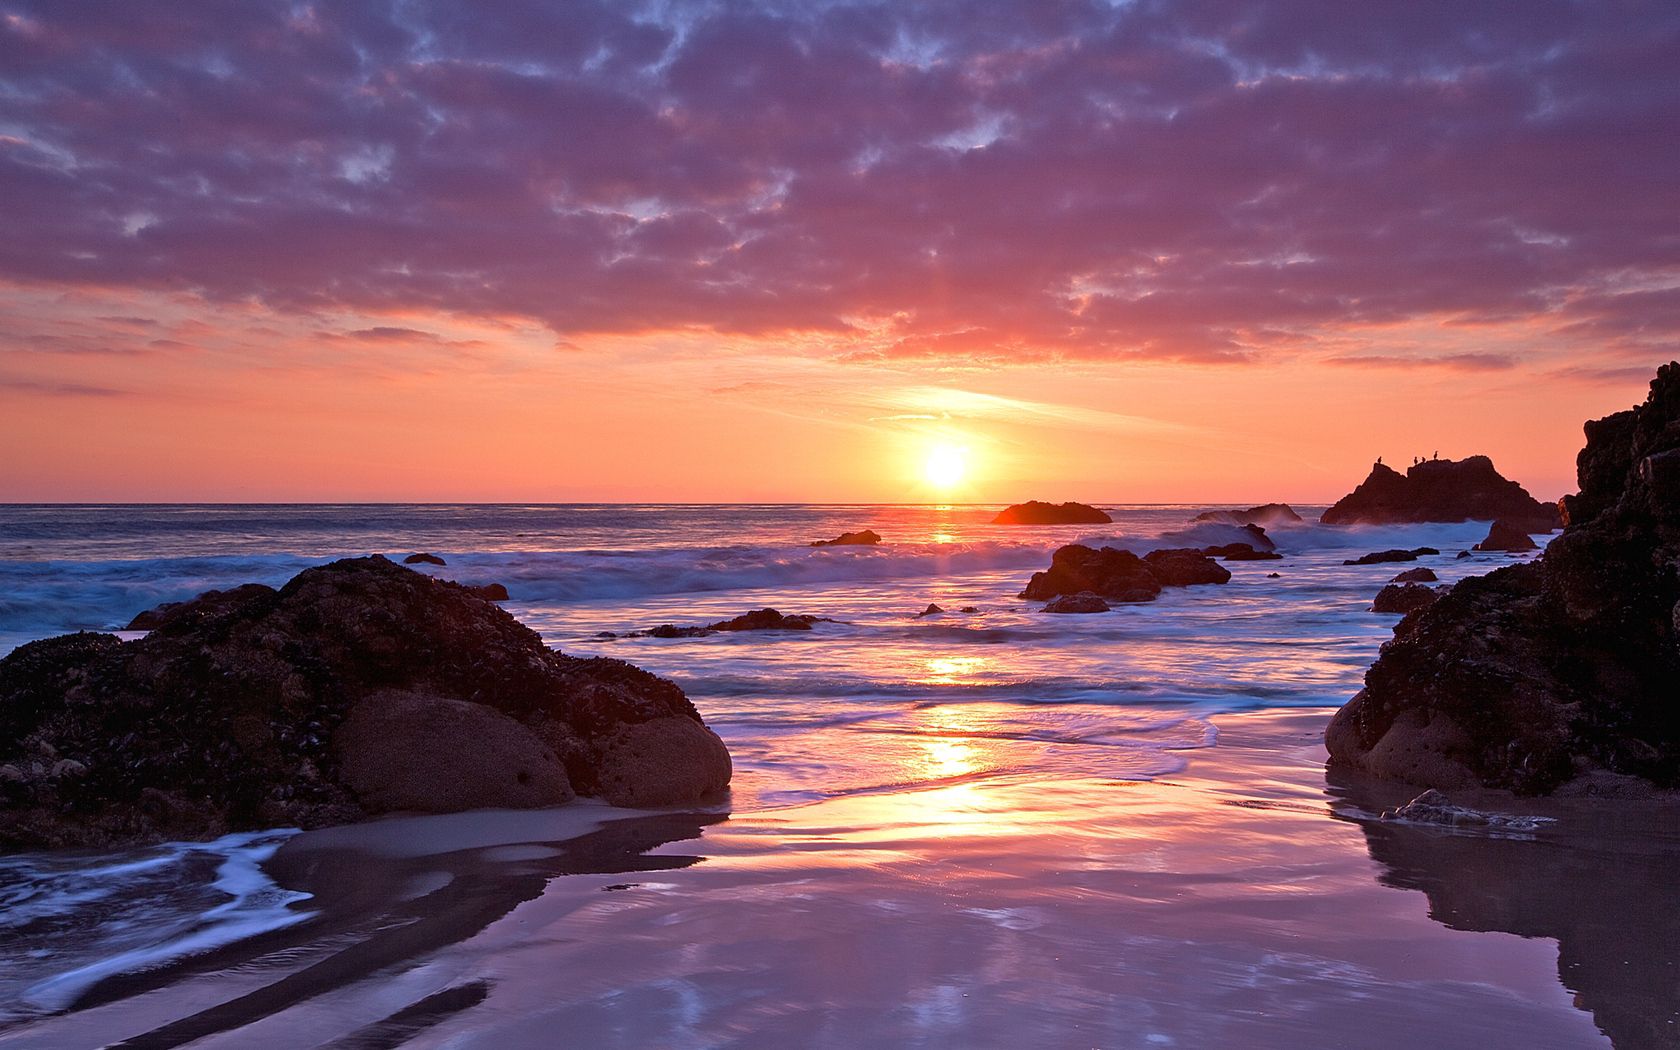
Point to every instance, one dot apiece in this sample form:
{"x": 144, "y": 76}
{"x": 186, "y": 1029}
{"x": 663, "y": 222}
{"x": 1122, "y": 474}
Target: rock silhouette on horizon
{"x": 1267, "y": 515}
{"x": 1559, "y": 670}
{"x": 1034, "y": 512}
{"x": 323, "y": 702}
{"x": 1441, "y": 490}
{"x": 864, "y": 538}
{"x": 1121, "y": 576}
{"x": 1504, "y": 536}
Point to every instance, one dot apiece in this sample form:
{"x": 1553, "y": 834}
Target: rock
{"x": 1418, "y": 575}
{"x": 1185, "y": 568}
{"x": 671, "y": 630}
{"x": 210, "y": 604}
{"x": 866, "y": 538}
{"x": 1270, "y": 515}
{"x": 424, "y": 559}
{"x": 1403, "y": 598}
{"x": 410, "y": 751}
{"x": 1504, "y": 536}
{"x": 1240, "y": 552}
{"x": 1110, "y": 573}
{"x": 931, "y": 610}
{"x": 253, "y": 717}
{"x": 975, "y": 609}
{"x": 1441, "y": 490}
{"x": 1380, "y": 557}
{"x": 1462, "y": 554}
{"x": 1432, "y": 807}
{"x": 1274, "y": 576}
{"x": 1085, "y": 602}
{"x": 490, "y": 592}
{"x": 1542, "y": 672}
{"x": 769, "y": 620}
{"x": 1034, "y": 512}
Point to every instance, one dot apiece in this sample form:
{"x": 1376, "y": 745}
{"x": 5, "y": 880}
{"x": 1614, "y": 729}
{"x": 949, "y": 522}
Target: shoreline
{"x": 1233, "y": 902}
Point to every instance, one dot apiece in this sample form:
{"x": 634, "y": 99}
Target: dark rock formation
{"x": 931, "y": 610}
{"x": 757, "y": 620}
{"x": 1085, "y": 602}
{"x": 969, "y": 609}
{"x": 424, "y": 559}
{"x": 268, "y": 711}
{"x": 1269, "y": 515}
{"x": 1034, "y": 512}
{"x": 1185, "y": 568}
{"x": 1114, "y": 574}
{"x": 1403, "y": 598}
{"x": 1441, "y": 490}
{"x": 208, "y": 604}
{"x": 1418, "y": 575}
{"x": 1274, "y": 576}
{"x": 490, "y": 592}
{"x": 1504, "y": 536}
{"x": 1381, "y": 557}
{"x": 1564, "y": 666}
{"x": 866, "y": 538}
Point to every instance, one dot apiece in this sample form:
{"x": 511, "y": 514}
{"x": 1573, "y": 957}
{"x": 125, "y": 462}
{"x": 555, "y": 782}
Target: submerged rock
{"x": 1085, "y": 602}
{"x": 1034, "y": 512}
{"x": 1432, "y": 807}
{"x": 1441, "y": 490}
{"x": 1240, "y": 552}
{"x": 1504, "y": 536}
{"x": 931, "y": 610}
{"x": 1111, "y": 573}
{"x": 866, "y": 538}
{"x": 1542, "y": 672}
{"x": 424, "y": 559}
{"x": 757, "y": 620}
{"x": 1403, "y": 598}
{"x": 321, "y": 703}
{"x": 1381, "y": 557}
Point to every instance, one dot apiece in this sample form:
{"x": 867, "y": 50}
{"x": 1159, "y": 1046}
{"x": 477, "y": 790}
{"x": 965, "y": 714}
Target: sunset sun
{"x": 945, "y": 467}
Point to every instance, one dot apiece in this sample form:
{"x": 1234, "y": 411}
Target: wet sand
{"x": 1242, "y": 902}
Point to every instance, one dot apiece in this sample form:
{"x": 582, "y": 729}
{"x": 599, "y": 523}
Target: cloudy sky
{"x": 1118, "y": 251}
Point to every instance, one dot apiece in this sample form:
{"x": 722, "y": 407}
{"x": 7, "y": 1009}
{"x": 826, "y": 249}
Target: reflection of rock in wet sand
{"x": 1610, "y": 897}
{"x": 361, "y": 898}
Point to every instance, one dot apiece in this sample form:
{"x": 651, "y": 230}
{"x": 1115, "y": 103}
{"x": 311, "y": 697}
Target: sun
{"x": 945, "y": 467}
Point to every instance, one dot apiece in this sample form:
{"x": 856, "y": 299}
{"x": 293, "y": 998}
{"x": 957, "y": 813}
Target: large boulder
{"x": 1564, "y": 667}
{"x": 1267, "y": 515}
{"x": 1403, "y": 598}
{"x": 865, "y": 538}
{"x": 1182, "y": 567}
{"x": 1034, "y": 512}
{"x": 1441, "y": 490}
{"x": 326, "y": 701}
{"x": 1108, "y": 572}
{"x": 1504, "y": 536}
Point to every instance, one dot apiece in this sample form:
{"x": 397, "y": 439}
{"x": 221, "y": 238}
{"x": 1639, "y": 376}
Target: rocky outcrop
{"x": 1504, "y": 536}
{"x": 1085, "y": 602}
{"x": 1240, "y": 552}
{"x": 208, "y": 604}
{"x": 1418, "y": 575}
{"x": 1182, "y": 567}
{"x": 1403, "y": 598}
{"x": 933, "y": 609}
{"x": 1108, "y": 572}
{"x": 866, "y": 538}
{"x": 1121, "y": 576}
{"x": 1383, "y": 557}
{"x": 757, "y": 620}
{"x": 1555, "y": 669}
{"x": 1034, "y": 512}
{"x": 1441, "y": 490}
{"x": 424, "y": 559}
{"x": 1267, "y": 515}
{"x": 490, "y": 592}
{"x": 358, "y": 687}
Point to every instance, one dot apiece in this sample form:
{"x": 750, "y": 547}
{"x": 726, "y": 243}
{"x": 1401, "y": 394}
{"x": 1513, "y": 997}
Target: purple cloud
{"x": 1199, "y": 179}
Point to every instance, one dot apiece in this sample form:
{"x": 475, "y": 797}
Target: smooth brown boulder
{"x": 1504, "y": 536}
{"x": 1418, "y": 575}
{"x": 654, "y": 763}
{"x": 1076, "y": 603}
{"x": 1035, "y": 512}
{"x": 409, "y": 751}
{"x": 1183, "y": 567}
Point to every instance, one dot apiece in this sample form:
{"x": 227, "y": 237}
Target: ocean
{"x": 986, "y": 828}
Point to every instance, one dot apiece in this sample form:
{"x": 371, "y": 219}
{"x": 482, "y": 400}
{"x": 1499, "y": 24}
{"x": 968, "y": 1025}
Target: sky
{"x": 1150, "y": 251}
